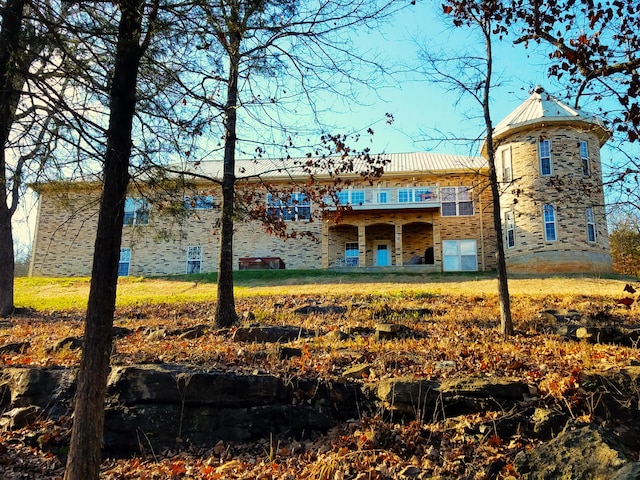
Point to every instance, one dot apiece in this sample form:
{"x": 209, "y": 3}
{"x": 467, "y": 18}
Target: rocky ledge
{"x": 157, "y": 406}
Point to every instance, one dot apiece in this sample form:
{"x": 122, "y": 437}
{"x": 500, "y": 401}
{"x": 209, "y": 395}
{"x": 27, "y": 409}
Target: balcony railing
{"x": 378, "y": 198}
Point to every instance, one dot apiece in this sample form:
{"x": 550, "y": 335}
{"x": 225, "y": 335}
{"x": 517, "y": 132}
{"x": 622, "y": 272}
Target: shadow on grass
{"x": 366, "y": 275}
{"x": 274, "y": 277}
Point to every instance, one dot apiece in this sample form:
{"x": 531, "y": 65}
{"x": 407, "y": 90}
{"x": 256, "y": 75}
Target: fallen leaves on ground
{"x": 445, "y": 336}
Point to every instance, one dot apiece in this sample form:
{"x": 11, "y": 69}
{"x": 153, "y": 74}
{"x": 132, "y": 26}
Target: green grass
{"x": 72, "y": 293}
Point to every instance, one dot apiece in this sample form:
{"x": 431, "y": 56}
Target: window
{"x": 383, "y": 196}
{"x": 405, "y": 195}
{"x": 343, "y": 197}
{"x": 591, "y": 225}
{"x": 125, "y": 262}
{"x": 507, "y": 174}
{"x": 136, "y": 211}
{"x": 199, "y": 202}
{"x": 456, "y": 201}
{"x": 194, "y": 259}
{"x": 584, "y": 155}
{"x": 459, "y": 255}
{"x": 350, "y": 197}
{"x": 423, "y": 194}
{"x": 351, "y": 254}
{"x": 293, "y": 207}
{"x": 357, "y": 197}
{"x": 549, "y": 214}
{"x": 510, "y": 229}
{"x": 544, "y": 149}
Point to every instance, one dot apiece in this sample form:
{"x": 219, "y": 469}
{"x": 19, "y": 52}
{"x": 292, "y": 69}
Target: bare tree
{"x": 27, "y": 96}
{"x": 262, "y": 43}
{"x": 594, "y": 50}
{"x": 472, "y": 74}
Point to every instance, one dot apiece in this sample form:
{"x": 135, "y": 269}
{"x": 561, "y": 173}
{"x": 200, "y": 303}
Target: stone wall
{"x": 65, "y": 231}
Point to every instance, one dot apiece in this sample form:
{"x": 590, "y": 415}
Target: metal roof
{"x": 392, "y": 163}
{"x": 542, "y": 107}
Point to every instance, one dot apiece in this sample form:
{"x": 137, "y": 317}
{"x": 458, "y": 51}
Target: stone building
{"x": 427, "y": 212}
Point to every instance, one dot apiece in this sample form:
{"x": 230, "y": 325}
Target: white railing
{"x": 391, "y": 197}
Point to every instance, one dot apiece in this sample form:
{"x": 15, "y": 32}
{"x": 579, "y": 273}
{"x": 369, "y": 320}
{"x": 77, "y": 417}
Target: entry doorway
{"x": 382, "y": 253}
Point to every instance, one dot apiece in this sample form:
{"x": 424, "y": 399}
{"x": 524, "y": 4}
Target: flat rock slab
{"x": 320, "y": 309}
{"x": 459, "y": 395}
{"x": 172, "y": 384}
{"x": 18, "y": 347}
{"x": 496, "y": 387}
{"x": 406, "y": 394}
{"x": 271, "y": 334}
{"x": 612, "y": 334}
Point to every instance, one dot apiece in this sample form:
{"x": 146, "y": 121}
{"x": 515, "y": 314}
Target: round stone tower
{"x": 552, "y": 206}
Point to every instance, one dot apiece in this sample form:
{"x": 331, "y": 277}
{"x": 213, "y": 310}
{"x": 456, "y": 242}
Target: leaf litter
{"x": 443, "y": 336}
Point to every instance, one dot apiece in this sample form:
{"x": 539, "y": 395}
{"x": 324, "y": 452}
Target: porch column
{"x": 398, "y": 243}
{"x": 325, "y": 244}
{"x": 437, "y": 243}
{"x": 362, "y": 245}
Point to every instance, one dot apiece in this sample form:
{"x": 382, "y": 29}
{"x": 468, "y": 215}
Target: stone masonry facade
{"x": 568, "y": 190}
{"x": 68, "y": 214}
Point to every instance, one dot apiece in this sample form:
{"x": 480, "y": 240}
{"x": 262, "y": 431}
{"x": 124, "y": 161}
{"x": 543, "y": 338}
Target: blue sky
{"x": 421, "y": 107}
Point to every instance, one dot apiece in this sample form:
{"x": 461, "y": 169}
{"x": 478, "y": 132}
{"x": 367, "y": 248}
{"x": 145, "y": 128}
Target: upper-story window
{"x": 350, "y": 196}
{"x": 510, "y": 229}
{"x": 199, "y": 202}
{"x": 584, "y": 156}
{"x": 591, "y": 225}
{"x": 382, "y": 196}
{"x": 136, "y": 211}
{"x": 294, "y": 206}
{"x": 544, "y": 151}
{"x": 456, "y": 201}
{"x": 507, "y": 167}
{"x": 357, "y": 197}
{"x": 549, "y": 216}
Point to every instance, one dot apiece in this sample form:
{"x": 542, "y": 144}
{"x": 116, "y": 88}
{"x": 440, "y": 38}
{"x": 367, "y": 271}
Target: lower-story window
{"x": 459, "y": 255}
{"x": 510, "y": 229}
{"x": 591, "y": 225}
{"x": 351, "y": 254}
{"x": 194, "y": 259}
{"x": 125, "y": 262}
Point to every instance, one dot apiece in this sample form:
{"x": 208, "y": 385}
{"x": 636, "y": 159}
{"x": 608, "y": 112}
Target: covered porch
{"x": 360, "y": 241}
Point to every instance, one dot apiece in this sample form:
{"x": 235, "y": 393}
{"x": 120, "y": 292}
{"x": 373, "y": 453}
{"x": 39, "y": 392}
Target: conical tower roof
{"x": 542, "y": 109}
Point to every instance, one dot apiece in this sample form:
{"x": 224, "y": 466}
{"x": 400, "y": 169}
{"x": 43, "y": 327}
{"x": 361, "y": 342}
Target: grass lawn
{"x": 47, "y": 294}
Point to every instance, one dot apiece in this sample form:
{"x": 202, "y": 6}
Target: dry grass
{"x": 72, "y": 293}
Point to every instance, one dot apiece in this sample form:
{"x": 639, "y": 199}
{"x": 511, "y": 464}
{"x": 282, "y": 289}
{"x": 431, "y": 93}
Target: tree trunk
{"x": 85, "y": 451}
{"x": 506, "y": 322}
{"x": 7, "y": 259}
{"x": 226, "y": 308}
{"x": 10, "y": 55}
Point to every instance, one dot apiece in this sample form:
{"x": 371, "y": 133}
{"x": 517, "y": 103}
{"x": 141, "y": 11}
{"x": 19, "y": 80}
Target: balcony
{"x": 379, "y": 198}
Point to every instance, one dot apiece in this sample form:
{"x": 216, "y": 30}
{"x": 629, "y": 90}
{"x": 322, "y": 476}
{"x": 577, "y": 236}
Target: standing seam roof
{"x": 543, "y": 107}
{"x": 393, "y": 163}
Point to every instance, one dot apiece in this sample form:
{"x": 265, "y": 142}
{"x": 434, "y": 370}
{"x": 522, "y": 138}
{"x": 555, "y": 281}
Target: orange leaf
{"x": 494, "y": 441}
